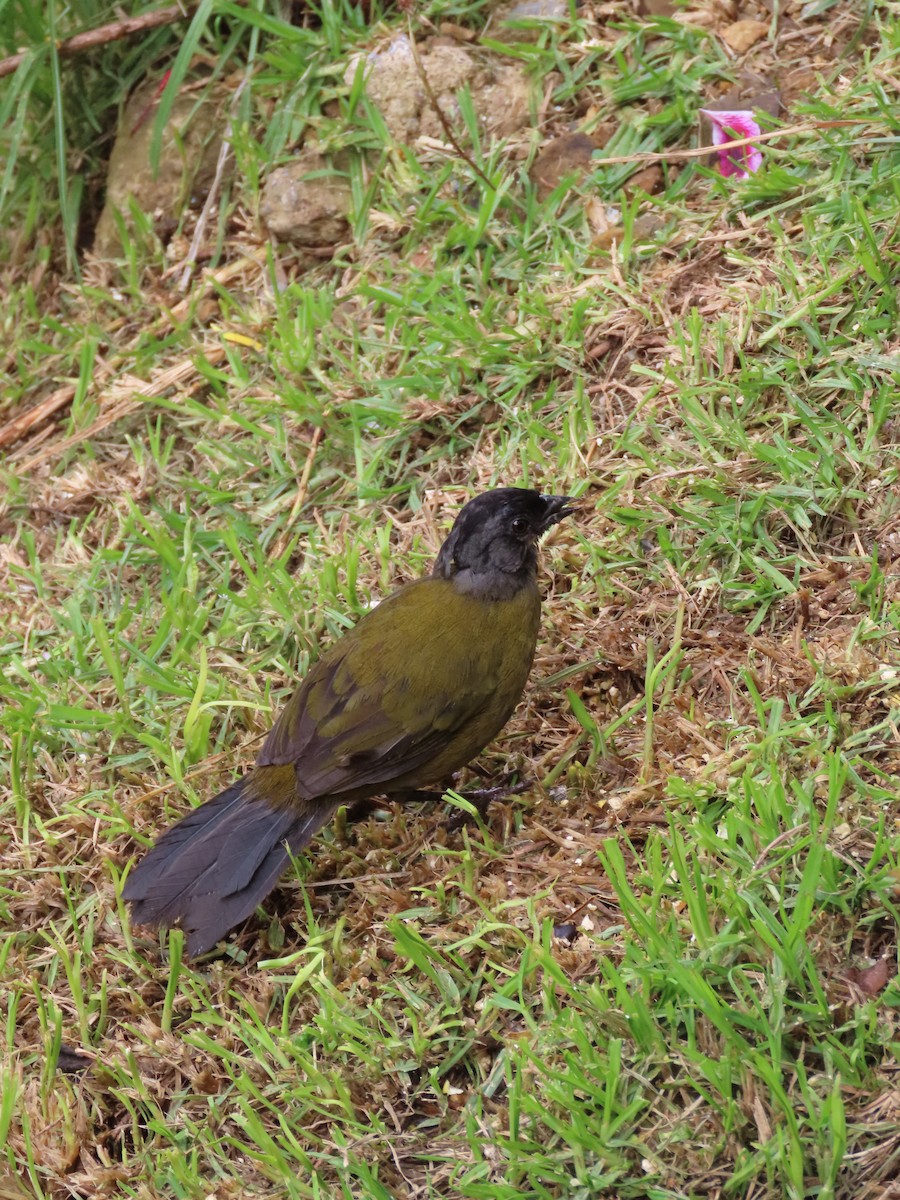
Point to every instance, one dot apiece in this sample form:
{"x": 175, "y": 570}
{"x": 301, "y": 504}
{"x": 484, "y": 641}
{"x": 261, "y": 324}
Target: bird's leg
{"x": 418, "y": 796}
{"x": 481, "y": 799}
{"x": 360, "y": 809}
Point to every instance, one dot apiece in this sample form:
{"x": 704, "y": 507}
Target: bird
{"x": 409, "y": 695}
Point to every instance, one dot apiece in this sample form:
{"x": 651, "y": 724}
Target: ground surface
{"x": 665, "y": 970}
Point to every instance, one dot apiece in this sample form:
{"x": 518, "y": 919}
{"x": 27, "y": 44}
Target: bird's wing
{"x": 387, "y": 697}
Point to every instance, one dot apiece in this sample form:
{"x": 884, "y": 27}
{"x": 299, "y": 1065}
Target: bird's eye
{"x": 520, "y": 526}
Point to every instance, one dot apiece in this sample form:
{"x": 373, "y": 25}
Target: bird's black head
{"x": 492, "y": 548}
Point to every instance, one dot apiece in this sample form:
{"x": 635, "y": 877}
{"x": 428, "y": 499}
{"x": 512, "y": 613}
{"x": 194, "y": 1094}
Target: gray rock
{"x": 394, "y": 84}
{"x": 187, "y": 163}
{"x": 532, "y": 14}
{"x": 307, "y": 202}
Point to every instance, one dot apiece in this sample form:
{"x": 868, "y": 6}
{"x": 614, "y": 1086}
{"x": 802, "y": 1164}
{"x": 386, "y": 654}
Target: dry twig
{"x": 302, "y": 489}
{"x": 441, "y": 115}
{"x": 702, "y": 151}
{"x": 103, "y": 34}
{"x": 212, "y": 197}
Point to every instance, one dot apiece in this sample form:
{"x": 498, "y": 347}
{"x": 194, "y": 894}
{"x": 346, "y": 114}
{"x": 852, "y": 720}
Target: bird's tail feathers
{"x": 211, "y": 870}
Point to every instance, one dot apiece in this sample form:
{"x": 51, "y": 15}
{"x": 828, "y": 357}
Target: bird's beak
{"x": 557, "y": 507}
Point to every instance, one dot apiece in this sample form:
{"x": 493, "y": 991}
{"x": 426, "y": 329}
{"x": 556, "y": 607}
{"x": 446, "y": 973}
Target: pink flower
{"x": 727, "y": 126}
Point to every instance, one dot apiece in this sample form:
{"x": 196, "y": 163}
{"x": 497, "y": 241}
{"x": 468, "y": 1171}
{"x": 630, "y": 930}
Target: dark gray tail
{"x": 212, "y": 869}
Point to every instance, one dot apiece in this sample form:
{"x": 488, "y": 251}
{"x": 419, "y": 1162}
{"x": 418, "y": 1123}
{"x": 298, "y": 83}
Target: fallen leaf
{"x": 763, "y": 1128}
{"x": 649, "y": 180}
{"x": 603, "y": 241}
{"x": 241, "y": 339}
{"x": 741, "y": 35}
{"x": 206, "y": 1083}
{"x": 597, "y": 217}
{"x": 800, "y": 82}
{"x": 701, "y": 17}
{"x": 72, "y": 1061}
{"x": 599, "y": 349}
{"x": 655, "y": 8}
{"x": 564, "y": 157}
{"x": 459, "y": 33}
{"x": 871, "y": 981}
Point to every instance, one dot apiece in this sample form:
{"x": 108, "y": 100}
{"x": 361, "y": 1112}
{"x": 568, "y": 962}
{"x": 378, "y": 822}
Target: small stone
{"x": 307, "y": 202}
{"x": 538, "y": 10}
{"x": 647, "y": 226}
{"x": 522, "y": 20}
{"x": 187, "y": 163}
{"x": 394, "y": 85}
{"x": 644, "y": 229}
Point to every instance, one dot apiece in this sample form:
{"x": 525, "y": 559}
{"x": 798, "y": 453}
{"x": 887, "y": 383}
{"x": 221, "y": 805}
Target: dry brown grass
{"x": 663, "y": 560}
